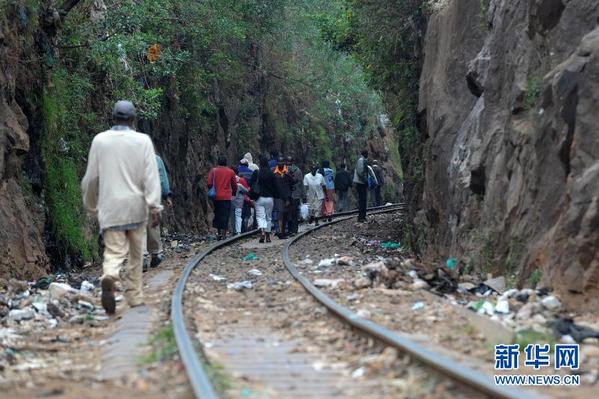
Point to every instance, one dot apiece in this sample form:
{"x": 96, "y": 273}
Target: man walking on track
{"x": 154, "y": 243}
{"x": 120, "y": 184}
{"x": 297, "y": 193}
{"x": 361, "y": 174}
{"x": 283, "y": 203}
{"x": 343, "y": 182}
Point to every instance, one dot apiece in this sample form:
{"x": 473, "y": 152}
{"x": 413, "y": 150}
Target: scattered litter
{"x": 482, "y": 307}
{"x": 240, "y": 285}
{"x": 511, "y": 293}
{"x": 502, "y": 306}
{"x": 567, "y": 339}
{"x": 254, "y": 272}
{"x": 86, "y": 305}
{"x": 482, "y": 290}
{"x": 323, "y": 282}
{"x": 566, "y": 326}
{"x": 246, "y": 392}
{"x": 86, "y": 286}
{"x": 372, "y": 270}
{"x": 250, "y": 256}
{"x": 497, "y": 284}
{"x": 307, "y": 261}
{"x": 418, "y": 306}
{"x": 363, "y": 313}
{"x": 475, "y": 305}
{"x": 21, "y": 314}
{"x": 345, "y": 260}
{"x": 326, "y": 262}
{"x": 40, "y": 306}
{"x": 43, "y": 283}
{"x": 390, "y": 245}
{"x": 353, "y": 297}
{"x": 487, "y": 308}
{"x": 521, "y": 296}
{"x": 59, "y": 290}
{"x": 216, "y": 277}
{"x": 466, "y": 287}
{"x": 419, "y": 284}
{"x": 357, "y": 373}
{"x": 550, "y": 302}
{"x": 451, "y": 263}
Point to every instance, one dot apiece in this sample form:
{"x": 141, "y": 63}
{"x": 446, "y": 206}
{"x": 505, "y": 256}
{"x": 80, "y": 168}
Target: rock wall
{"x": 509, "y": 95}
{"x": 22, "y": 252}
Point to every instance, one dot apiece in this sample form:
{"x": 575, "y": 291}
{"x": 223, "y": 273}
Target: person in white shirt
{"x": 120, "y": 184}
{"x": 314, "y": 184}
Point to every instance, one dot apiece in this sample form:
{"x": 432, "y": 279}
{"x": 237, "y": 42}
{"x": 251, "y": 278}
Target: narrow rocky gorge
{"x": 508, "y": 100}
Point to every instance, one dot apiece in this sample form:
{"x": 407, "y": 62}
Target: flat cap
{"x": 123, "y": 110}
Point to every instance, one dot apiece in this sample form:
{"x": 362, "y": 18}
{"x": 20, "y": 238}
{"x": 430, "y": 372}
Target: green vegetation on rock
{"x": 62, "y": 147}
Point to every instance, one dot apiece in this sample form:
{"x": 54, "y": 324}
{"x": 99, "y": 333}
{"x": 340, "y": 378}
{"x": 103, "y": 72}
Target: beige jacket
{"x": 121, "y": 181}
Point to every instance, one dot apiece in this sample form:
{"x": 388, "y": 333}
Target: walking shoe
{"x": 108, "y": 301}
{"x": 267, "y": 237}
{"x": 156, "y": 260}
{"x": 145, "y": 266}
{"x": 261, "y": 240}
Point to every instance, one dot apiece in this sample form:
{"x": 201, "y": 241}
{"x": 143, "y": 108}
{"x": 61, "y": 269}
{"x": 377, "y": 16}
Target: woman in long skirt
{"x": 224, "y": 181}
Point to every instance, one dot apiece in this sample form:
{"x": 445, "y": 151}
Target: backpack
{"x": 371, "y": 181}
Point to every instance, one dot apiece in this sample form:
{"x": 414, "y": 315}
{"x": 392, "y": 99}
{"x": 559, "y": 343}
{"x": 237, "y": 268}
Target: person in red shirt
{"x": 225, "y": 183}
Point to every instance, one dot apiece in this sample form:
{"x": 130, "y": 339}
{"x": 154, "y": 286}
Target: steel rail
{"x": 469, "y": 377}
{"x": 196, "y": 372}
{"x": 198, "y": 378}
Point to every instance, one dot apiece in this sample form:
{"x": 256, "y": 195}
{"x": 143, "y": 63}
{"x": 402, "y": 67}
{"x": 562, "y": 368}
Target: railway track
{"x": 470, "y": 379}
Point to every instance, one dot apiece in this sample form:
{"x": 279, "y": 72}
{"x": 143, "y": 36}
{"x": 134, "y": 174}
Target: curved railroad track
{"x": 204, "y": 389}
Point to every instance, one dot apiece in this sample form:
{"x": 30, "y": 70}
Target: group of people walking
{"x": 126, "y": 184}
{"x": 269, "y": 196}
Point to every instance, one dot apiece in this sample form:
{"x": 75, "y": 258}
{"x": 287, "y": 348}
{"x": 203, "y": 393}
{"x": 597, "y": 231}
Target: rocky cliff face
{"x": 22, "y": 252}
{"x": 509, "y": 95}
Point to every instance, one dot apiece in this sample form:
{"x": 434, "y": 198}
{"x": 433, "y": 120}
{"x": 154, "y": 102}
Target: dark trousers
{"x": 294, "y": 216}
{"x": 283, "y": 216}
{"x": 342, "y": 200}
{"x": 378, "y": 198}
{"x": 362, "y": 190}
